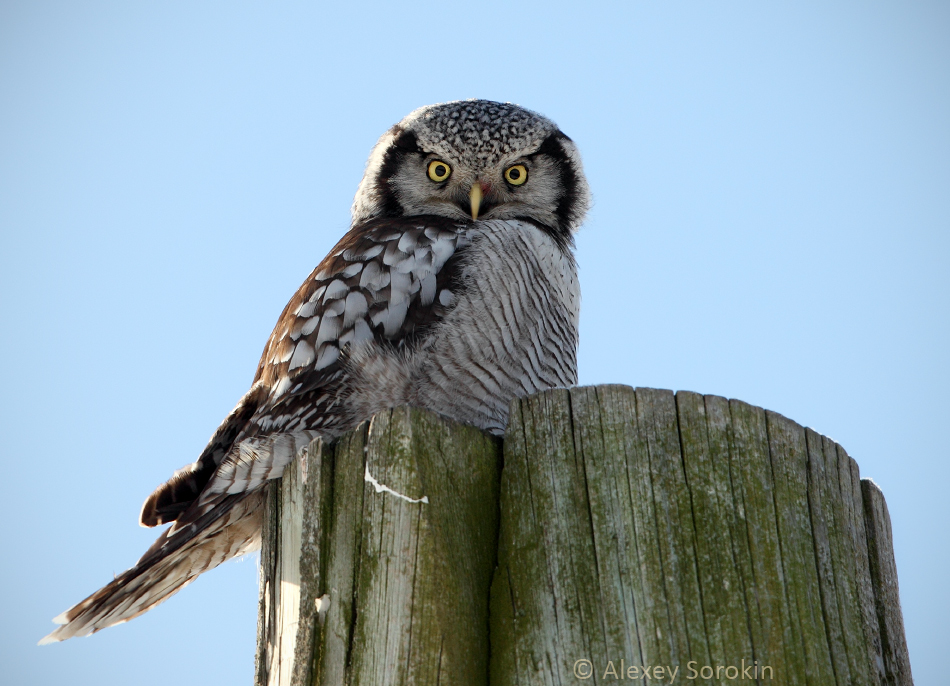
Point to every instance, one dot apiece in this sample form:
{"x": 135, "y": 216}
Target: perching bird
{"x": 454, "y": 290}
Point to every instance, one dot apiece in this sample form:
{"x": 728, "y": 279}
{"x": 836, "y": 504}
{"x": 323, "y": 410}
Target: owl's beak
{"x": 475, "y": 197}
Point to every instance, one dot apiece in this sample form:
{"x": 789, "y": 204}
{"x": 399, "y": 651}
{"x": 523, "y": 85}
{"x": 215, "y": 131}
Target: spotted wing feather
{"x": 383, "y": 283}
{"x": 381, "y": 287}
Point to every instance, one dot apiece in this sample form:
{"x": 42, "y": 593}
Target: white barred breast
{"x": 514, "y": 329}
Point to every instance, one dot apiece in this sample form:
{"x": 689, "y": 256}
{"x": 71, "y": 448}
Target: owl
{"x": 455, "y": 290}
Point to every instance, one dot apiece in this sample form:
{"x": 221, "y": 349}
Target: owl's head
{"x": 476, "y": 159}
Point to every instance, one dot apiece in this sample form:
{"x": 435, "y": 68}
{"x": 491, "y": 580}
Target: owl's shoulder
{"x": 383, "y": 279}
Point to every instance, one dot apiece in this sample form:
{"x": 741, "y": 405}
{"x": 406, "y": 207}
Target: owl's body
{"x": 455, "y": 290}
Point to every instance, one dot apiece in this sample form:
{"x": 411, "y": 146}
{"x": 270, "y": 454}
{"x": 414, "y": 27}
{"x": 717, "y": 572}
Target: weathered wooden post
{"x": 377, "y": 557}
{"x": 681, "y": 537}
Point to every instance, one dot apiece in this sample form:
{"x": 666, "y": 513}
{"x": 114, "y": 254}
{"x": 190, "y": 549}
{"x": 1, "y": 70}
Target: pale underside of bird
{"x": 454, "y": 290}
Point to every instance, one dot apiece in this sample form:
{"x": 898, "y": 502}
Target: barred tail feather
{"x": 230, "y": 529}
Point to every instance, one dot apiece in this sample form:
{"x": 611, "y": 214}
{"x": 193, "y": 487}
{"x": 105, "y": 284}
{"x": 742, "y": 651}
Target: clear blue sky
{"x": 771, "y": 223}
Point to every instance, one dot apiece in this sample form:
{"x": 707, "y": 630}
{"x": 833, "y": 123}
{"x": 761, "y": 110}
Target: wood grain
{"x": 636, "y": 529}
{"x": 363, "y": 586}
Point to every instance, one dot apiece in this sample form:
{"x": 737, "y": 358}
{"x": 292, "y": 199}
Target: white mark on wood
{"x": 322, "y": 604}
{"x": 380, "y": 488}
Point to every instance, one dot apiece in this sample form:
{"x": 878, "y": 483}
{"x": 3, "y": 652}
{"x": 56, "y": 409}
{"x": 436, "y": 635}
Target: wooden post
{"x": 377, "y": 557}
{"x": 700, "y": 538}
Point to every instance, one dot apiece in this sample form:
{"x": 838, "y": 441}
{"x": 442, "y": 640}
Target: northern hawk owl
{"x": 454, "y": 290}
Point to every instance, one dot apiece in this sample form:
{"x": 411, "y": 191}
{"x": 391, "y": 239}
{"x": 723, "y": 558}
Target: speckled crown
{"x": 478, "y": 131}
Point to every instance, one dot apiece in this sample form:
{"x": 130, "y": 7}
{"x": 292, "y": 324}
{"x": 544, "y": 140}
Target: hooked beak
{"x": 475, "y": 197}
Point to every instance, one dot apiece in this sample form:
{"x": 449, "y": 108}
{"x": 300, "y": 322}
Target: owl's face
{"x": 476, "y": 159}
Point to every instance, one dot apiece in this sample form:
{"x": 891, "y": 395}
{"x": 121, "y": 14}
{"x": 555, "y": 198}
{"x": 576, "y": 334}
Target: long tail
{"x": 230, "y": 529}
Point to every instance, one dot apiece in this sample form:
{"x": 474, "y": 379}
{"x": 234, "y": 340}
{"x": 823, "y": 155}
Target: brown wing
{"x": 387, "y": 281}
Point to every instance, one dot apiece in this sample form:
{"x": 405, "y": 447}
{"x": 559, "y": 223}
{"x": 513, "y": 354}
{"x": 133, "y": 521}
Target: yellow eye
{"x": 439, "y": 171}
{"x": 516, "y": 175}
